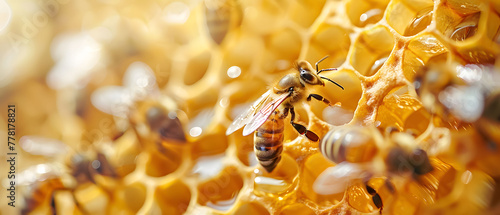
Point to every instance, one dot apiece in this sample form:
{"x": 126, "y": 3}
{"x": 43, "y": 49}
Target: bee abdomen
{"x": 269, "y": 157}
{"x": 268, "y": 142}
{"x": 331, "y": 148}
{"x": 351, "y": 144}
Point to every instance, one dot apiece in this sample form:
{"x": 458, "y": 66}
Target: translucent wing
{"x": 36, "y": 145}
{"x": 245, "y": 117}
{"x": 336, "y": 179}
{"x": 264, "y": 113}
{"x": 114, "y": 100}
{"x": 140, "y": 80}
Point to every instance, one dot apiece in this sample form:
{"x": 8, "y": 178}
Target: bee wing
{"x": 245, "y": 117}
{"x": 36, "y": 145}
{"x": 114, "y": 100}
{"x": 264, "y": 113}
{"x": 140, "y": 80}
{"x": 336, "y": 179}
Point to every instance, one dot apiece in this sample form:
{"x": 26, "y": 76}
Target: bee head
{"x": 311, "y": 76}
{"x": 308, "y": 74}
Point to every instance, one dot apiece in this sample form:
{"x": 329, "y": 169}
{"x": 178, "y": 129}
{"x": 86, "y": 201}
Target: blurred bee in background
{"x": 264, "y": 116}
{"x": 463, "y": 95}
{"x": 221, "y": 17}
{"x": 360, "y": 154}
{"x": 140, "y": 102}
{"x": 43, "y": 180}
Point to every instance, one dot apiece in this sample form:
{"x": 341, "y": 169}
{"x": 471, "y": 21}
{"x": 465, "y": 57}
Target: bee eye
{"x": 306, "y": 75}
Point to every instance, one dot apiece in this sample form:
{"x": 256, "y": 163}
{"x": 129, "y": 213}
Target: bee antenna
{"x": 296, "y": 65}
{"x": 319, "y": 61}
{"x": 329, "y": 69}
{"x": 332, "y": 81}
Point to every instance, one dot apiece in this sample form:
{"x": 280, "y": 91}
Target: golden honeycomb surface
{"x": 122, "y": 106}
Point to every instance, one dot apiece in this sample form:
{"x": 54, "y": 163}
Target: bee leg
{"x": 302, "y": 129}
{"x": 319, "y": 98}
{"x": 377, "y": 200}
{"x": 285, "y": 113}
{"x": 390, "y": 186}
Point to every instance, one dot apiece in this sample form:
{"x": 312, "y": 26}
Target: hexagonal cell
{"x": 305, "y": 12}
{"x": 206, "y": 167}
{"x": 313, "y": 167}
{"x": 471, "y": 27}
{"x": 250, "y": 208}
{"x": 197, "y": 67}
{"x": 395, "y": 109}
{"x": 337, "y": 115}
{"x": 214, "y": 141}
{"x": 241, "y": 51}
{"x": 130, "y": 198}
{"x": 424, "y": 47}
{"x": 159, "y": 165}
{"x": 465, "y": 29}
{"x": 220, "y": 192}
{"x": 410, "y": 17}
{"x": 348, "y": 97}
{"x": 285, "y": 43}
{"x": 243, "y": 95}
{"x": 262, "y": 17}
{"x": 173, "y": 197}
{"x": 418, "y": 121}
{"x": 244, "y": 149}
{"x": 416, "y": 61}
{"x": 91, "y": 198}
{"x": 412, "y": 64}
{"x": 281, "y": 180}
{"x": 364, "y": 12}
{"x": 331, "y": 40}
{"x": 371, "y": 49}
{"x": 125, "y": 154}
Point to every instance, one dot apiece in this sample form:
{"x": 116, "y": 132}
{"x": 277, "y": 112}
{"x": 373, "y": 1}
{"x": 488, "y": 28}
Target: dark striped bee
{"x": 221, "y": 16}
{"x": 359, "y": 155}
{"x": 66, "y": 170}
{"x": 264, "y": 116}
{"x": 461, "y": 95}
{"x": 140, "y": 101}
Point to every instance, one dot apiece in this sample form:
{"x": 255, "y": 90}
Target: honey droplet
{"x": 422, "y": 19}
{"x": 466, "y": 29}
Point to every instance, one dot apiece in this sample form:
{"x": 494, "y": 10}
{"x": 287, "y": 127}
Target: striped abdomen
{"x": 351, "y": 143}
{"x": 221, "y": 16}
{"x": 269, "y": 141}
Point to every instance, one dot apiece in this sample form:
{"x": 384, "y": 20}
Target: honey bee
{"x": 44, "y": 180}
{"x": 359, "y": 155}
{"x": 222, "y": 16}
{"x": 264, "y": 116}
{"x": 464, "y": 95}
{"x": 140, "y": 102}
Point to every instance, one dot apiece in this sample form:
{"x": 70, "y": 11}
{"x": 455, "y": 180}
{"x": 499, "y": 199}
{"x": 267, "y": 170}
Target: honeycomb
{"x": 122, "y": 106}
